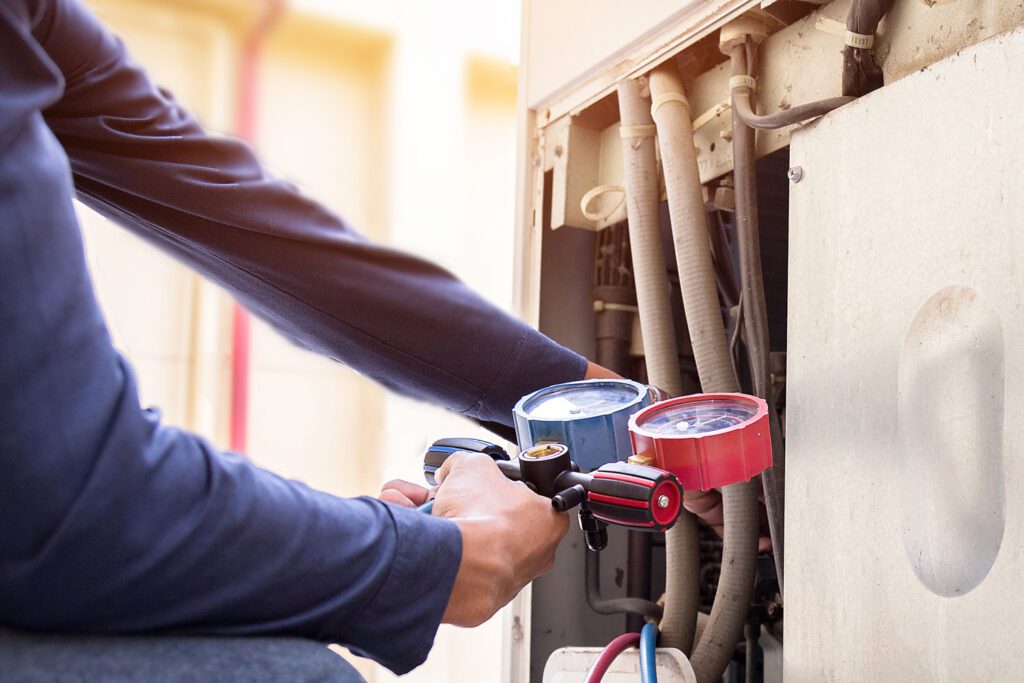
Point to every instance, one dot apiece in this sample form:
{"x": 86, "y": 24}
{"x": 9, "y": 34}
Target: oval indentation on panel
{"x": 951, "y": 441}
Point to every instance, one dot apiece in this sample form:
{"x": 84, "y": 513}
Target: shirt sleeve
{"x": 141, "y": 159}
{"x": 114, "y": 522}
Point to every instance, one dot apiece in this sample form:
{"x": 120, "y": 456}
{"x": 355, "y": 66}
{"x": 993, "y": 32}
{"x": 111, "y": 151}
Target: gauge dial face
{"x": 579, "y": 401}
{"x": 697, "y": 418}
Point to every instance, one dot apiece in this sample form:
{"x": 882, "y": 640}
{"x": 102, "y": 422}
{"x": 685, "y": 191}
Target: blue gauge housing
{"x": 591, "y": 417}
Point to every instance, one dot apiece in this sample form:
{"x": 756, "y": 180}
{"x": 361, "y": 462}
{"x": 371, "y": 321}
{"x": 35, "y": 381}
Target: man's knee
{"x": 31, "y": 658}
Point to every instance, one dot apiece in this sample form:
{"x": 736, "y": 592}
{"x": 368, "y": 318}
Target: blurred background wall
{"x": 400, "y": 116}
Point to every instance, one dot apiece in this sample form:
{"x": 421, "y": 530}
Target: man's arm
{"x": 114, "y": 522}
{"x": 142, "y": 160}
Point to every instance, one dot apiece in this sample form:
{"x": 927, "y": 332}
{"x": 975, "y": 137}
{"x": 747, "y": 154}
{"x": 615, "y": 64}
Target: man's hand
{"x": 509, "y": 535}
{"x": 404, "y": 493}
{"x": 595, "y": 371}
{"x": 707, "y": 505}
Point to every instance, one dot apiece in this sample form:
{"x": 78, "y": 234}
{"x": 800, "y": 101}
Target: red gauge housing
{"x": 706, "y": 440}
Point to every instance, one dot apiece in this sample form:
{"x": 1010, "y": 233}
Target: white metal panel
{"x": 905, "y": 506}
{"x": 572, "y": 665}
{"x": 570, "y": 39}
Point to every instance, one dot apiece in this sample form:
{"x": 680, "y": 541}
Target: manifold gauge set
{"x": 622, "y": 455}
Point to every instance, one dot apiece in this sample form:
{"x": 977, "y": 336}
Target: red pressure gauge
{"x": 706, "y": 440}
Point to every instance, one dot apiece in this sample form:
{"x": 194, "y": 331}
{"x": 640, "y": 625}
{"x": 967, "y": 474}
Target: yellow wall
{"x": 392, "y": 118}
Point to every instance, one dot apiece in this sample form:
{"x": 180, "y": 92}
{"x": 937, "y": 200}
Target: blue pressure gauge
{"x": 591, "y": 417}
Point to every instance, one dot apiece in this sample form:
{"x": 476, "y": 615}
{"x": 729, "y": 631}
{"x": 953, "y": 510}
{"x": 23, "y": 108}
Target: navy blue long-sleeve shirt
{"x": 111, "y": 521}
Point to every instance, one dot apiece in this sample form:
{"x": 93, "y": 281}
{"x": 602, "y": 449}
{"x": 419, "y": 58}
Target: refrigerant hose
{"x": 649, "y": 654}
{"x": 608, "y": 655}
{"x": 646, "y": 641}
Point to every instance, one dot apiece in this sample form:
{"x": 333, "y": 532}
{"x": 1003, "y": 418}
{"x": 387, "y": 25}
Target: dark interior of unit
{"x": 577, "y": 267}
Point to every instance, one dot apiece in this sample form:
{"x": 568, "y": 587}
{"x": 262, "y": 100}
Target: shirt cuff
{"x": 535, "y": 362}
{"x": 397, "y": 627}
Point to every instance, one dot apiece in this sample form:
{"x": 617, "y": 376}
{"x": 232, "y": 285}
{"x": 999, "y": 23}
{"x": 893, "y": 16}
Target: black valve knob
{"x": 569, "y": 498}
{"x": 439, "y": 451}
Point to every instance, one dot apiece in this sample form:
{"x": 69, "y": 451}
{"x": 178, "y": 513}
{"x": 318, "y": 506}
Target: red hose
{"x": 245, "y": 128}
{"x": 608, "y": 655}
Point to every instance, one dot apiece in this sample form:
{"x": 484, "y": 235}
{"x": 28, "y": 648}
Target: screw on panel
{"x": 663, "y": 501}
{"x": 795, "y": 174}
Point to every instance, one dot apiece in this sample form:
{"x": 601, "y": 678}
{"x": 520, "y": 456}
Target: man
{"x": 116, "y": 523}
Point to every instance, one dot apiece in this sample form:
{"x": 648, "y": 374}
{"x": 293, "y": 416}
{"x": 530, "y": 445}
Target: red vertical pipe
{"x": 245, "y": 127}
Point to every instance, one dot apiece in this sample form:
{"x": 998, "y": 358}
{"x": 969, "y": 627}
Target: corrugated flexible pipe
{"x": 714, "y": 365}
{"x": 690, "y": 232}
{"x": 650, "y": 277}
{"x": 654, "y": 303}
{"x": 696, "y": 274}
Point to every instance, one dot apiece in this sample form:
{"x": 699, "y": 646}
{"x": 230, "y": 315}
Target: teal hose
{"x": 427, "y": 508}
{"x": 648, "y": 651}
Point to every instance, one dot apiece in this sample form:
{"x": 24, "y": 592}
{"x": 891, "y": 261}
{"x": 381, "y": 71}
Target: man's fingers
{"x": 414, "y": 493}
{"x": 396, "y": 497}
{"x": 460, "y": 459}
{"x": 595, "y": 371}
{"x": 706, "y": 505}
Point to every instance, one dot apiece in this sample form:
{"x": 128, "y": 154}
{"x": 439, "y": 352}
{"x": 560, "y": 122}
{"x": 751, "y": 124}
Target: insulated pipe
{"x": 682, "y": 584}
{"x": 690, "y": 232}
{"x": 671, "y": 115}
{"x": 702, "y": 623}
{"x": 755, "y": 312}
{"x": 652, "y": 288}
{"x": 630, "y": 605}
{"x": 714, "y": 365}
{"x": 787, "y": 117}
{"x": 652, "y": 291}
{"x": 735, "y": 584}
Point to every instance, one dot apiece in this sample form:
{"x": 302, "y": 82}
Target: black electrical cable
{"x": 861, "y": 74}
{"x": 638, "y": 573}
{"x": 787, "y": 117}
{"x": 728, "y": 282}
{"x": 755, "y": 309}
{"x": 592, "y": 579}
{"x": 744, "y": 109}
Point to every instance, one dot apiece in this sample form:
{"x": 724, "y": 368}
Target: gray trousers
{"x": 49, "y": 658}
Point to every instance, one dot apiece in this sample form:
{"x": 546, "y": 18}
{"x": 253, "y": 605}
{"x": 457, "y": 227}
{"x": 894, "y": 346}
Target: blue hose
{"x": 427, "y": 508}
{"x": 648, "y": 645}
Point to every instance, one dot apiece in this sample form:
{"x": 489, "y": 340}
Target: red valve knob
{"x": 635, "y": 496}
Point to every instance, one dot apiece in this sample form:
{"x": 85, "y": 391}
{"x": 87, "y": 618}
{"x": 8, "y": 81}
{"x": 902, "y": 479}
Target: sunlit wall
{"x": 400, "y": 116}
